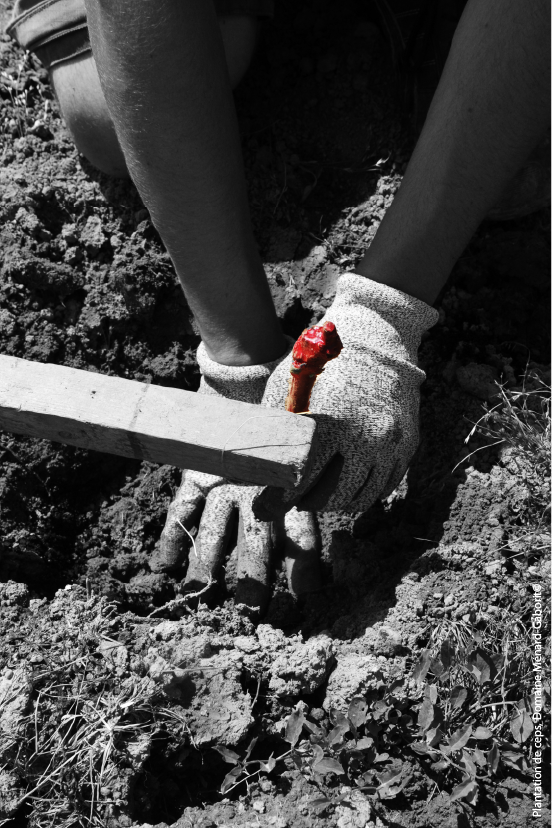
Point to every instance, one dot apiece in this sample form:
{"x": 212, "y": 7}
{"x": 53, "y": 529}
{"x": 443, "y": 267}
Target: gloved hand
{"x": 213, "y": 501}
{"x": 365, "y": 403}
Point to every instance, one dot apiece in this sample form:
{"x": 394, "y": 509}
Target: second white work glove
{"x": 365, "y": 403}
{"x": 212, "y": 502}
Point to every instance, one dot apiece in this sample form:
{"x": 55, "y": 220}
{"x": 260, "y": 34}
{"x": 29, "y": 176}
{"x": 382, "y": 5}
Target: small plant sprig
{"x": 355, "y": 746}
{"x": 466, "y": 718}
{"x": 242, "y": 770}
{"x": 472, "y": 705}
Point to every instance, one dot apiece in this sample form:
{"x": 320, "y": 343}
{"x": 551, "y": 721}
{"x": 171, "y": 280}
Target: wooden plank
{"x": 244, "y": 442}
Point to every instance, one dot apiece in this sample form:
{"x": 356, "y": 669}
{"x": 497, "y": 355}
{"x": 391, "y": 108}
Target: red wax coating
{"x": 314, "y": 348}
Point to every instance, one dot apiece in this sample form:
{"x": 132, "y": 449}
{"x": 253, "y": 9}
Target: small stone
{"x": 246, "y": 643}
{"x": 8, "y": 322}
{"x": 69, "y": 235}
{"x": 93, "y": 236}
{"x": 27, "y": 221}
{"x": 449, "y": 600}
{"x": 438, "y": 596}
{"x": 480, "y": 381}
{"x": 259, "y": 806}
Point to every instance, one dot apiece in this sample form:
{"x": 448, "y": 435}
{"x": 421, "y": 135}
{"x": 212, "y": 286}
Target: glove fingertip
{"x": 167, "y": 557}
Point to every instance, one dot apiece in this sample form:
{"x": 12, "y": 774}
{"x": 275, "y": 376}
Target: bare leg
{"x": 78, "y": 90}
{"x": 164, "y": 76}
{"x": 82, "y": 103}
{"x": 491, "y": 108}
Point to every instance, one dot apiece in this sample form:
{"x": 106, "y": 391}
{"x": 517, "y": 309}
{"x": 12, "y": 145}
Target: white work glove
{"x": 213, "y": 501}
{"x": 365, "y": 403}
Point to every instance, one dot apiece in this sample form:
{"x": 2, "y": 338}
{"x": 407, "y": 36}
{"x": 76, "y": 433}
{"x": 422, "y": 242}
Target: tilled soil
{"x": 85, "y": 282}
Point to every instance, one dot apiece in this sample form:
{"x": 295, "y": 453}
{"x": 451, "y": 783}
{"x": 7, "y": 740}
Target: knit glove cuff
{"x": 245, "y": 383}
{"x": 379, "y": 319}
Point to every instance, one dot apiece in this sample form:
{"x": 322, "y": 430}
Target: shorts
{"x": 56, "y": 30}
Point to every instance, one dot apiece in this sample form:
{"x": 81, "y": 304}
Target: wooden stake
{"x": 244, "y": 442}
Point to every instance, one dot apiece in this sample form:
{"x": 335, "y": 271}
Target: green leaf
{"x": 447, "y": 653}
{"x": 466, "y": 790}
{"x": 294, "y": 727}
{"x": 227, "y": 755}
{"x": 358, "y": 709}
{"x": 328, "y": 765}
{"x": 337, "y": 717}
{"x": 433, "y": 693}
{"x": 269, "y": 765}
{"x": 317, "y": 754}
{"x": 336, "y": 735}
{"x": 440, "y": 765}
{"x": 319, "y": 732}
{"x": 426, "y": 715}
{"x": 379, "y": 710}
{"x": 468, "y": 764}
{"x": 391, "y": 783}
{"x": 420, "y": 747}
{"x": 437, "y": 667}
{"x": 434, "y": 736}
{"x": 481, "y": 665}
{"x": 421, "y": 667}
{"x": 297, "y": 760}
{"x": 395, "y": 685}
{"x": 458, "y": 696}
{"x": 480, "y": 757}
{"x": 365, "y": 743}
{"x": 482, "y": 733}
{"x": 521, "y": 726}
{"x": 493, "y": 758}
{"x": 230, "y": 779}
{"x": 458, "y": 739}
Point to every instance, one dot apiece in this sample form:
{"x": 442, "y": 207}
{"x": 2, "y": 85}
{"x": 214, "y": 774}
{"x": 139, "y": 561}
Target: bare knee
{"x": 77, "y": 87}
{"x": 78, "y": 90}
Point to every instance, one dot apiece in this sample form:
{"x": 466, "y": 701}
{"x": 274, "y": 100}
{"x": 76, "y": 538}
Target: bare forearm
{"x": 489, "y": 111}
{"x": 164, "y": 76}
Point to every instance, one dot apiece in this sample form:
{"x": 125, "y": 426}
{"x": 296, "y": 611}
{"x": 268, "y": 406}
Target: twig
{"x": 182, "y": 598}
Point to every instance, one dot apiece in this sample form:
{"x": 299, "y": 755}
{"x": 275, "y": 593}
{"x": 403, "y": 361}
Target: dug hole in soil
{"x": 397, "y": 695}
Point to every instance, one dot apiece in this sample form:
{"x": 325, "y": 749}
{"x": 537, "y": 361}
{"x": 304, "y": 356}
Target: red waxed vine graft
{"x": 314, "y": 348}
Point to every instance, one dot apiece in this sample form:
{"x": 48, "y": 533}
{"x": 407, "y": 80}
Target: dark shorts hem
{"x": 56, "y": 30}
